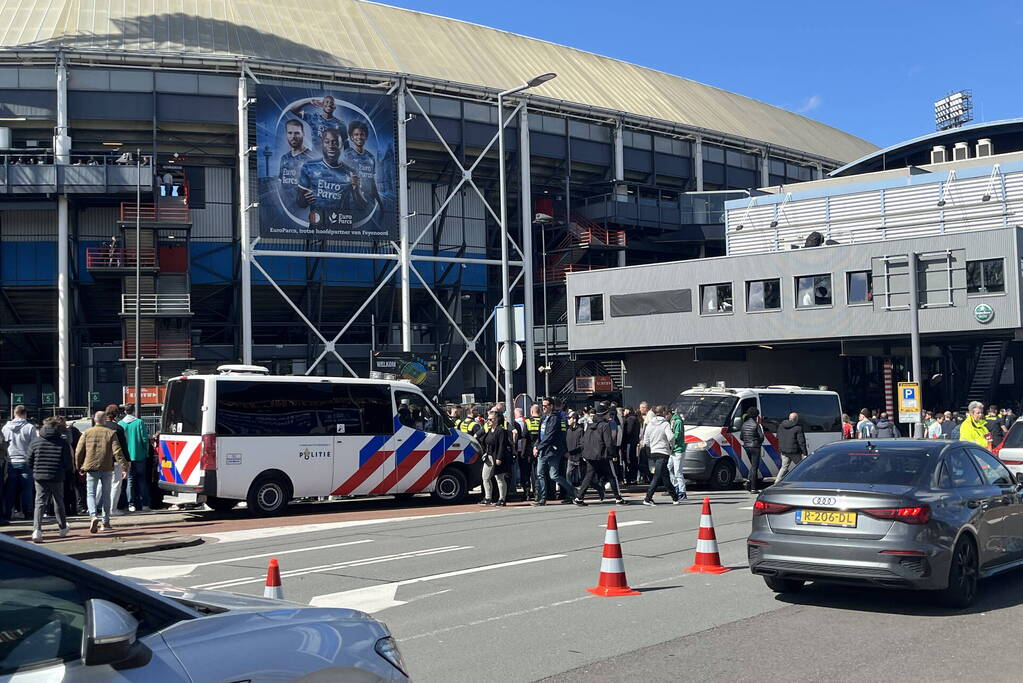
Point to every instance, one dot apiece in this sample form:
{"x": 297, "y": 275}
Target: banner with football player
{"x": 326, "y": 164}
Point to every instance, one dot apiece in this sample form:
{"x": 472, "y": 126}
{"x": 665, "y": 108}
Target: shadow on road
{"x": 999, "y": 592}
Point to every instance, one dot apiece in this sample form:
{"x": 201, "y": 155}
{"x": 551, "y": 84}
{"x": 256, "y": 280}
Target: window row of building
{"x": 986, "y": 276}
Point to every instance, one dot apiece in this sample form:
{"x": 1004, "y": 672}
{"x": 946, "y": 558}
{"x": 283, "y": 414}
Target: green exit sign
{"x": 93, "y": 397}
{"x": 17, "y": 399}
{"x": 48, "y": 398}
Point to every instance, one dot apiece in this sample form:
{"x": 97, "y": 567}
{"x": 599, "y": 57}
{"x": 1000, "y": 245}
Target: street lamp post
{"x": 138, "y": 282}
{"x": 505, "y": 269}
{"x": 543, "y": 220}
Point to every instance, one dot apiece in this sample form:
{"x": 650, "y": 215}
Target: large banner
{"x": 422, "y": 369}
{"x": 326, "y": 164}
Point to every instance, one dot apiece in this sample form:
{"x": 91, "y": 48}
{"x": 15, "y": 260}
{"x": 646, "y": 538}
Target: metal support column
{"x": 506, "y": 300}
{"x": 526, "y": 209}
{"x": 621, "y": 192}
{"x": 698, "y": 162}
{"x": 403, "y": 216}
{"x": 765, "y": 168}
{"x": 243, "y": 216}
{"x": 914, "y": 330}
{"x": 61, "y": 153}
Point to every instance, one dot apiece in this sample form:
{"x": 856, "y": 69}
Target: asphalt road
{"x": 500, "y": 595}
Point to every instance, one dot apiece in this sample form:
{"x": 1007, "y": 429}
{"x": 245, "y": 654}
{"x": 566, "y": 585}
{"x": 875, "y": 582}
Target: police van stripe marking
{"x": 363, "y": 473}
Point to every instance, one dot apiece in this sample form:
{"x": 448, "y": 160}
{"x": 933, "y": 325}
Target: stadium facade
{"x": 306, "y": 185}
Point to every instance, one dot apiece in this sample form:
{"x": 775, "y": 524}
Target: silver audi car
{"x": 931, "y": 515}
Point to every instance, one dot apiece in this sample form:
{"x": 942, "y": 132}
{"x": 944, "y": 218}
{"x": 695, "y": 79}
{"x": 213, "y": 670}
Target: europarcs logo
{"x": 313, "y": 452}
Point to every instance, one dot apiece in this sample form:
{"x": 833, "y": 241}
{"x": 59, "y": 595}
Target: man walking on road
{"x": 886, "y": 429}
{"x": 137, "y": 438}
{"x": 752, "y": 436}
{"x": 18, "y": 433}
{"x": 120, "y": 470}
{"x": 791, "y": 443}
{"x": 95, "y": 455}
{"x": 549, "y": 450}
{"x": 630, "y": 446}
{"x": 660, "y": 441}
{"x": 598, "y": 449}
{"x": 678, "y": 454}
{"x": 865, "y": 428}
{"x": 49, "y": 460}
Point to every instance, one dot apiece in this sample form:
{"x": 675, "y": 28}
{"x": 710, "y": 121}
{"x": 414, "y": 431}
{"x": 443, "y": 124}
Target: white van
{"x": 713, "y": 451}
{"x": 244, "y": 435}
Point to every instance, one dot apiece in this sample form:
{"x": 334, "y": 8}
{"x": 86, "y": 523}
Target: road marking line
{"x": 376, "y": 598}
{"x": 176, "y": 571}
{"x": 229, "y": 583}
{"x": 633, "y": 522}
{"x": 273, "y": 532}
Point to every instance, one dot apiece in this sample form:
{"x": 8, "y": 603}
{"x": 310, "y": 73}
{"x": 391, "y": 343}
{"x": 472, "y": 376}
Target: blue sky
{"x": 870, "y": 68}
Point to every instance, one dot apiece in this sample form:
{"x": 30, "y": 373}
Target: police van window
{"x": 774, "y": 409}
{"x": 182, "y": 410}
{"x": 416, "y": 412}
{"x": 817, "y": 412}
{"x": 740, "y": 412}
{"x": 254, "y": 408}
{"x": 373, "y": 401}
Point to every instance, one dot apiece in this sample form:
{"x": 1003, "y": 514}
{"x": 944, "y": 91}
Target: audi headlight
{"x": 388, "y": 649}
{"x": 696, "y": 446}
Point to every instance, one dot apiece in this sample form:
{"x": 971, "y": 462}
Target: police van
{"x": 713, "y": 416}
{"x": 243, "y": 435}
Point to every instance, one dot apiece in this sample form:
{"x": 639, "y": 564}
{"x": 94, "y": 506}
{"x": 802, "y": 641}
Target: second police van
{"x": 243, "y": 435}
{"x": 713, "y": 415}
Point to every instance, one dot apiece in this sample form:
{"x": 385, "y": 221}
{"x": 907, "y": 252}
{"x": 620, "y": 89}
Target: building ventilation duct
{"x": 984, "y": 148}
{"x": 961, "y": 152}
{"x": 939, "y": 154}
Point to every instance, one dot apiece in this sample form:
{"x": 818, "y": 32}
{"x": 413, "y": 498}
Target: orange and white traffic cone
{"x": 273, "y": 581}
{"x": 707, "y": 559}
{"x": 612, "y": 583}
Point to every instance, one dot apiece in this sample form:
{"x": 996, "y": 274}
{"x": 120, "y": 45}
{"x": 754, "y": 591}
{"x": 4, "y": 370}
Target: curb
{"x": 135, "y": 547}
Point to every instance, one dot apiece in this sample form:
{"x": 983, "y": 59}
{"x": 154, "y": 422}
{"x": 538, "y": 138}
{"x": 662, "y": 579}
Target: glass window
{"x": 944, "y": 481}
{"x": 817, "y": 412}
{"x": 985, "y": 277}
{"x": 579, "y": 129}
{"x": 416, "y": 412}
{"x": 964, "y": 474}
{"x": 813, "y": 290}
{"x": 361, "y": 409}
{"x": 856, "y": 464}
{"x": 777, "y": 167}
{"x": 716, "y": 298}
{"x": 860, "y": 287}
{"x": 994, "y": 472}
{"x": 42, "y": 618}
{"x": 589, "y": 309}
{"x": 479, "y": 112}
{"x": 713, "y": 154}
{"x": 774, "y": 409}
{"x": 1014, "y": 439}
{"x": 255, "y": 408}
{"x": 440, "y": 106}
{"x": 182, "y": 410}
{"x": 763, "y": 295}
{"x": 699, "y": 410}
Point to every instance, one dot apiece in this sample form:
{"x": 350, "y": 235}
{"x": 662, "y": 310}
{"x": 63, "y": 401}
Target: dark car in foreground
{"x": 62, "y": 620}
{"x": 929, "y": 515}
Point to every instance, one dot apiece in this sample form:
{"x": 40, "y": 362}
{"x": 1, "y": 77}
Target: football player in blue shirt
{"x": 293, "y": 160}
{"x": 318, "y": 123}
{"x": 361, "y": 160}
{"x": 329, "y": 187}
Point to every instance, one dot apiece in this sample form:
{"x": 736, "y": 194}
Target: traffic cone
{"x": 612, "y": 583}
{"x": 707, "y": 559}
{"x": 273, "y": 581}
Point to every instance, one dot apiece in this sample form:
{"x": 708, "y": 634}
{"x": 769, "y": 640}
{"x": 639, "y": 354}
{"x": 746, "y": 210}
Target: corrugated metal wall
{"x": 98, "y": 223}
{"x": 28, "y": 226}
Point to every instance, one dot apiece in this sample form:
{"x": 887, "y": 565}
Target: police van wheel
{"x": 220, "y": 504}
{"x": 723, "y": 475}
{"x": 451, "y": 486}
{"x": 269, "y": 495}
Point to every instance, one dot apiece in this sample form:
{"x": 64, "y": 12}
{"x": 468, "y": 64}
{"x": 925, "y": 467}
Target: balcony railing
{"x": 557, "y": 273}
{"x": 110, "y": 258}
{"x": 150, "y": 212}
{"x": 157, "y": 349}
{"x": 158, "y": 304}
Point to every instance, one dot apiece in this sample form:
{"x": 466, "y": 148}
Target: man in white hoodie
{"x": 18, "y": 433}
{"x": 660, "y": 440}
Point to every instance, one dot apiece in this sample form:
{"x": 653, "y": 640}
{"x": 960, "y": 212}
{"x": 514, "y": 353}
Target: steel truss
{"x": 401, "y": 252}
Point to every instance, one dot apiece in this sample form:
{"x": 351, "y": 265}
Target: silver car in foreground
{"x": 62, "y": 620}
{"x": 931, "y": 515}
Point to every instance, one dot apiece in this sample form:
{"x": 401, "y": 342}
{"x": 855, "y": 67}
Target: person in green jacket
{"x": 974, "y": 428}
{"x": 678, "y": 454}
{"x": 138, "y": 454}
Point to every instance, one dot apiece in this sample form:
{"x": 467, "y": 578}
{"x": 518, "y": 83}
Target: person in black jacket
{"x": 598, "y": 449}
{"x": 497, "y": 457}
{"x": 49, "y": 461}
{"x": 751, "y": 434}
{"x": 791, "y": 443}
{"x": 574, "y": 449}
{"x": 549, "y": 449}
{"x": 630, "y": 446}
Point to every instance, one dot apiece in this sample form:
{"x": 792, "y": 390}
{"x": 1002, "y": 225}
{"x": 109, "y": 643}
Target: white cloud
{"x": 812, "y": 102}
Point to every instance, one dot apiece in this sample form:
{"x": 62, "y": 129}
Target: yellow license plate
{"x": 826, "y": 518}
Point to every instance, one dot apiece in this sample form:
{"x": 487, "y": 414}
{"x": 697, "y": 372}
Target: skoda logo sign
{"x": 984, "y": 313}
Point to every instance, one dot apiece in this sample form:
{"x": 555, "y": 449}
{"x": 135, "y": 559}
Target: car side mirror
{"x": 109, "y": 633}
{"x": 1019, "y": 478}
{"x": 736, "y": 424}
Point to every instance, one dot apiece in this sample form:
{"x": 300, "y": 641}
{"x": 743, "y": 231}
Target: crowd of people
{"x": 984, "y": 428}
{"x": 558, "y": 455}
{"x": 62, "y": 470}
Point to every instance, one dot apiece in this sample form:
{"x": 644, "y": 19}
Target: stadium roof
{"x": 365, "y": 35}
